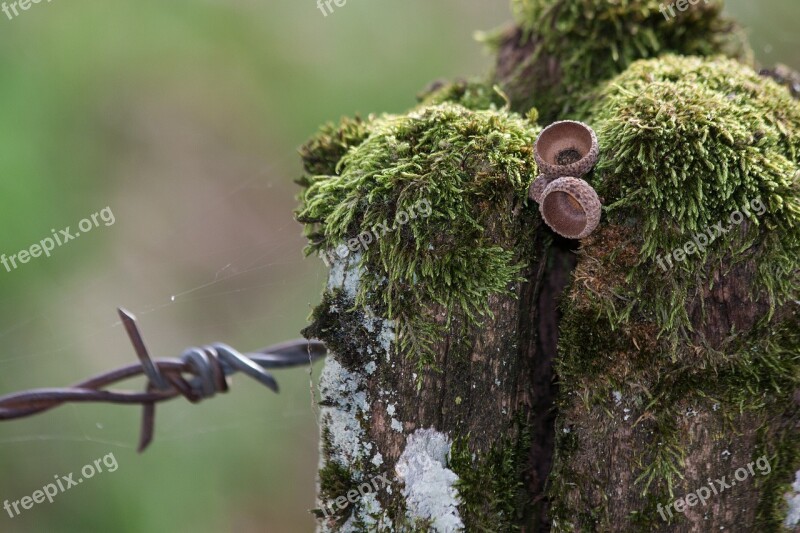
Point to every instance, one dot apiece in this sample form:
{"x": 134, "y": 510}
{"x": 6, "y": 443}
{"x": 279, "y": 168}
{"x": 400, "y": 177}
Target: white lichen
{"x": 346, "y": 412}
{"x": 793, "y": 516}
{"x": 386, "y": 336}
{"x": 345, "y": 274}
{"x": 383, "y": 328}
{"x": 343, "y": 390}
{"x": 372, "y": 516}
{"x": 429, "y": 486}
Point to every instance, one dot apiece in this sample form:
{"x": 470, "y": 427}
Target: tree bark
{"x": 490, "y": 385}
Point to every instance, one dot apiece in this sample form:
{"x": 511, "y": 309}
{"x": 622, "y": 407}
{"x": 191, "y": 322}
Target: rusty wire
{"x": 208, "y": 366}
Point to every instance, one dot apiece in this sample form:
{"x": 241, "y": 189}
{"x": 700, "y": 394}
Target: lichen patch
{"x": 793, "y": 499}
{"x": 429, "y": 491}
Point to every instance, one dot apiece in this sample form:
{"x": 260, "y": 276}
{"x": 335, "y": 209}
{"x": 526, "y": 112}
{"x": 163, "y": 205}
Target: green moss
{"x": 626, "y": 325}
{"x": 752, "y": 372}
{"x": 475, "y": 95}
{"x": 343, "y": 329}
{"x": 780, "y": 372}
{"x": 783, "y": 452}
{"x": 335, "y": 481}
{"x": 686, "y": 143}
{"x": 322, "y": 152}
{"x": 491, "y": 487}
{"x": 446, "y": 182}
{"x": 593, "y": 40}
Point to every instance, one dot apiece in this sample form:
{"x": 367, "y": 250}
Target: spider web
{"x": 246, "y": 287}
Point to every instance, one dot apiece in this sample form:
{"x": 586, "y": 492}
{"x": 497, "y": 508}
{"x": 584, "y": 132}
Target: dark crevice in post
{"x": 555, "y": 275}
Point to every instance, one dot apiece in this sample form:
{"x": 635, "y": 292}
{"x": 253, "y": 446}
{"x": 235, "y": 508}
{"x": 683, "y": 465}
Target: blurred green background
{"x": 183, "y": 117}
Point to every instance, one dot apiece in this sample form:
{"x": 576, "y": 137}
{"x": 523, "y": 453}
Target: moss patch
{"x": 324, "y": 150}
{"x": 474, "y": 94}
{"x": 687, "y": 143}
{"x": 752, "y": 372}
{"x": 783, "y": 450}
{"x": 491, "y": 487}
{"x": 463, "y": 167}
{"x": 589, "y": 41}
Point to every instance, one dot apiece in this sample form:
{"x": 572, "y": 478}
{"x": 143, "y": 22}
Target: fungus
{"x": 538, "y": 186}
{"x": 571, "y": 207}
{"x": 566, "y": 148}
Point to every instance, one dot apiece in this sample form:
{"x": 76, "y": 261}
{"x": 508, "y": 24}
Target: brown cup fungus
{"x": 564, "y": 152}
{"x": 538, "y": 186}
{"x": 566, "y": 148}
{"x": 571, "y": 207}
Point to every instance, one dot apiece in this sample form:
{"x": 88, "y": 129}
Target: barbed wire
{"x": 209, "y": 368}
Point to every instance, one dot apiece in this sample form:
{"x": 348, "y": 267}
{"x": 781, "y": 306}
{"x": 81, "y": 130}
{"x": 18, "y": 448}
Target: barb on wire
{"x": 207, "y": 368}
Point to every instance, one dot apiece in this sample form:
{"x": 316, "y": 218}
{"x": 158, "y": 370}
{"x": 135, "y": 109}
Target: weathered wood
{"x": 491, "y": 382}
{"x": 603, "y": 448}
{"x": 581, "y": 402}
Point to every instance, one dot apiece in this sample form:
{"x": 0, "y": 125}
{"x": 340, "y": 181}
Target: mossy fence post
{"x": 487, "y": 375}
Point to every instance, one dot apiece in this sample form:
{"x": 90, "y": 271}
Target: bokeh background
{"x": 183, "y": 117}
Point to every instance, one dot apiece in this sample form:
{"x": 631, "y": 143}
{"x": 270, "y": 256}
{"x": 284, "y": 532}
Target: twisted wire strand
{"x": 207, "y": 367}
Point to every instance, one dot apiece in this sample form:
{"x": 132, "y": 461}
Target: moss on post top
{"x": 585, "y": 42}
{"x": 324, "y": 150}
{"x": 431, "y": 195}
{"x": 472, "y": 94}
{"x": 699, "y": 172}
{"x": 604, "y": 36}
{"x": 689, "y": 140}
